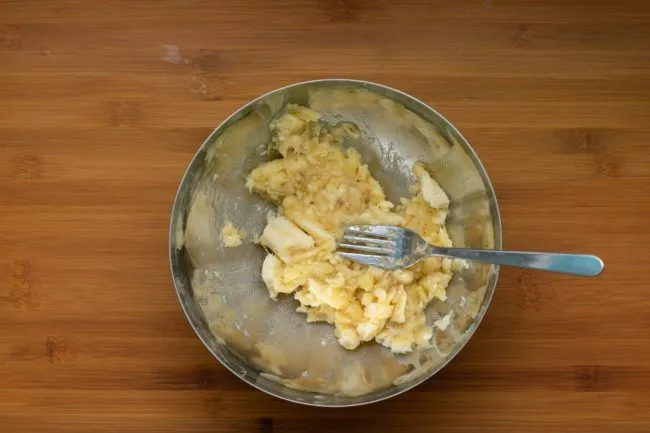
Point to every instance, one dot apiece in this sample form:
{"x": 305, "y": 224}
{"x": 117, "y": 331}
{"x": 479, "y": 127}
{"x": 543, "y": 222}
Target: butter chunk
{"x": 285, "y": 239}
{"x": 431, "y": 191}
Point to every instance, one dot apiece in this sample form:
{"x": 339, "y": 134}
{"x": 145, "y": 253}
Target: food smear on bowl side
{"x": 231, "y": 236}
{"x": 320, "y": 187}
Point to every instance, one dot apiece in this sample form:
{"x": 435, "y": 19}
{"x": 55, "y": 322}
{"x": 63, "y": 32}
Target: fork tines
{"x": 378, "y": 240}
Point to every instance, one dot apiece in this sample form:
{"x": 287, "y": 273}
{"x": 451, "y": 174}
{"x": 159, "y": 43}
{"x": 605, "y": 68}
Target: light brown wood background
{"x": 99, "y": 116}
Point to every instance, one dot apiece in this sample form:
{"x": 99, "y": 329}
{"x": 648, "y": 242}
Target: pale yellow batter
{"x": 319, "y": 188}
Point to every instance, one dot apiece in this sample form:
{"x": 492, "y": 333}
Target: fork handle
{"x": 574, "y": 264}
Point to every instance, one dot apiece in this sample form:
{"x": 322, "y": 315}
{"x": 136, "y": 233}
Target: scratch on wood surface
{"x": 21, "y": 292}
{"x": 27, "y": 166}
{"x": 56, "y": 349}
{"x": 522, "y": 35}
{"x": 11, "y": 38}
{"x": 341, "y": 10}
{"x": 528, "y": 290}
{"x": 172, "y": 54}
{"x": 123, "y": 113}
{"x": 265, "y": 425}
{"x": 206, "y": 78}
{"x": 587, "y": 378}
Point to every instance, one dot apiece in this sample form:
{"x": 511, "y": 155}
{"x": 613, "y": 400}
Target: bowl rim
{"x": 494, "y": 210}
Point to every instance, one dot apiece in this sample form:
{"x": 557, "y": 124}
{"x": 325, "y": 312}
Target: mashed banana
{"x": 319, "y": 188}
{"x": 230, "y": 236}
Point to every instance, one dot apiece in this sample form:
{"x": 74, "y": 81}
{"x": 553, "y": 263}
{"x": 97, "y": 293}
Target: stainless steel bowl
{"x": 268, "y": 344}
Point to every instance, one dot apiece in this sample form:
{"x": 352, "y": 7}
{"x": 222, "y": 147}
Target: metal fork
{"x": 390, "y": 247}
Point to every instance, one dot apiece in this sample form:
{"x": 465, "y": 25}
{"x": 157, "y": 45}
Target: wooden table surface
{"x": 102, "y": 105}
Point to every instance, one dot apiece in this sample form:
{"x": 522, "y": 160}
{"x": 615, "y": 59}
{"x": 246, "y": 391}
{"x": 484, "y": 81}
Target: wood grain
{"x": 99, "y": 116}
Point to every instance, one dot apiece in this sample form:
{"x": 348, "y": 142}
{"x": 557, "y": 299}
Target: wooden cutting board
{"x": 102, "y": 105}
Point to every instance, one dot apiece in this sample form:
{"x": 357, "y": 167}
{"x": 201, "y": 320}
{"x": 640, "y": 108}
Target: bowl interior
{"x": 267, "y": 343}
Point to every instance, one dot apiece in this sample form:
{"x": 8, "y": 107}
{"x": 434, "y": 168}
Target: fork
{"x": 390, "y": 247}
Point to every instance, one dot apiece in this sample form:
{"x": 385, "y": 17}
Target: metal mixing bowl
{"x": 266, "y": 343}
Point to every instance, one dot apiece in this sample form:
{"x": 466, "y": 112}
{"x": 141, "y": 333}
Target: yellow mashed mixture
{"x": 319, "y": 188}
